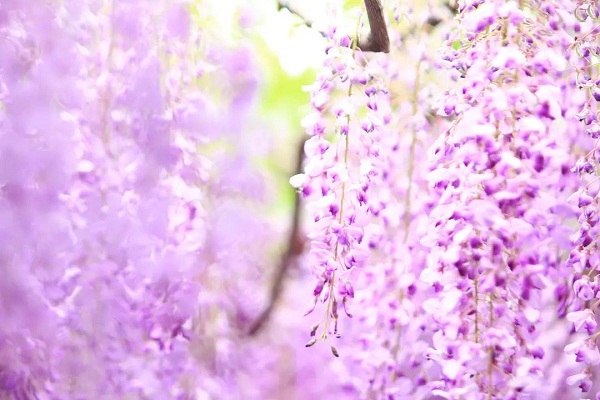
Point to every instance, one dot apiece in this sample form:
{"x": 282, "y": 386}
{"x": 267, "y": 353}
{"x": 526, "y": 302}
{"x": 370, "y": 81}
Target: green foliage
{"x": 350, "y": 4}
{"x": 283, "y": 103}
{"x": 282, "y": 95}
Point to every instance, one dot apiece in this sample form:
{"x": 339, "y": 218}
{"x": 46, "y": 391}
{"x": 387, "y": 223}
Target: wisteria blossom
{"x": 127, "y": 268}
{"x": 438, "y": 239}
{"x": 478, "y": 272}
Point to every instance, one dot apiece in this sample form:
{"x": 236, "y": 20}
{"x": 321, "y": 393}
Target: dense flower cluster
{"x": 450, "y": 190}
{"x": 97, "y": 185}
{"x": 501, "y": 177}
{"x": 583, "y": 259}
{"x": 347, "y": 165}
{"x": 466, "y": 293}
{"x": 389, "y": 354}
{"x": 126, "y": 195}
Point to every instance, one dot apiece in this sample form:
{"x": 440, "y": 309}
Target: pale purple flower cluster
{"x": 389, "y": 360}
{"x": 501, "y": 175}
{"x": 346, "y": 163}
{"x": 451, "y": 206}
{"x": 127, "y": 191}
{"x": 467, "y": 292}
{"x": 583, "y": 259}
{"x": 483, "y": 289}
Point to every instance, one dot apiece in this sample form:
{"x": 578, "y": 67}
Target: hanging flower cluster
{"x": 451, "y": 201}
{"x": 501, "y": 178}
{"x": 387, "y": 359}
{"x": 466, "y": 291}
{"x": 97, "y": 281}
{"x": 583, "y": 259}
{"x": 346, "y": 167}
{"x": 127, "y": 189}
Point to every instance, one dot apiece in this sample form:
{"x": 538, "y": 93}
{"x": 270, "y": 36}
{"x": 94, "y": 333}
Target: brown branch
{"x": 378, "y": 40}
{"x": 294, "y": 248}
{"x": 281, "y": 5}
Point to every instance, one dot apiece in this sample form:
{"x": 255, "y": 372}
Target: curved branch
{"x": 281, "y": 5}
{"x": 378, "y": 40}
{"x": 294, "y": 248}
